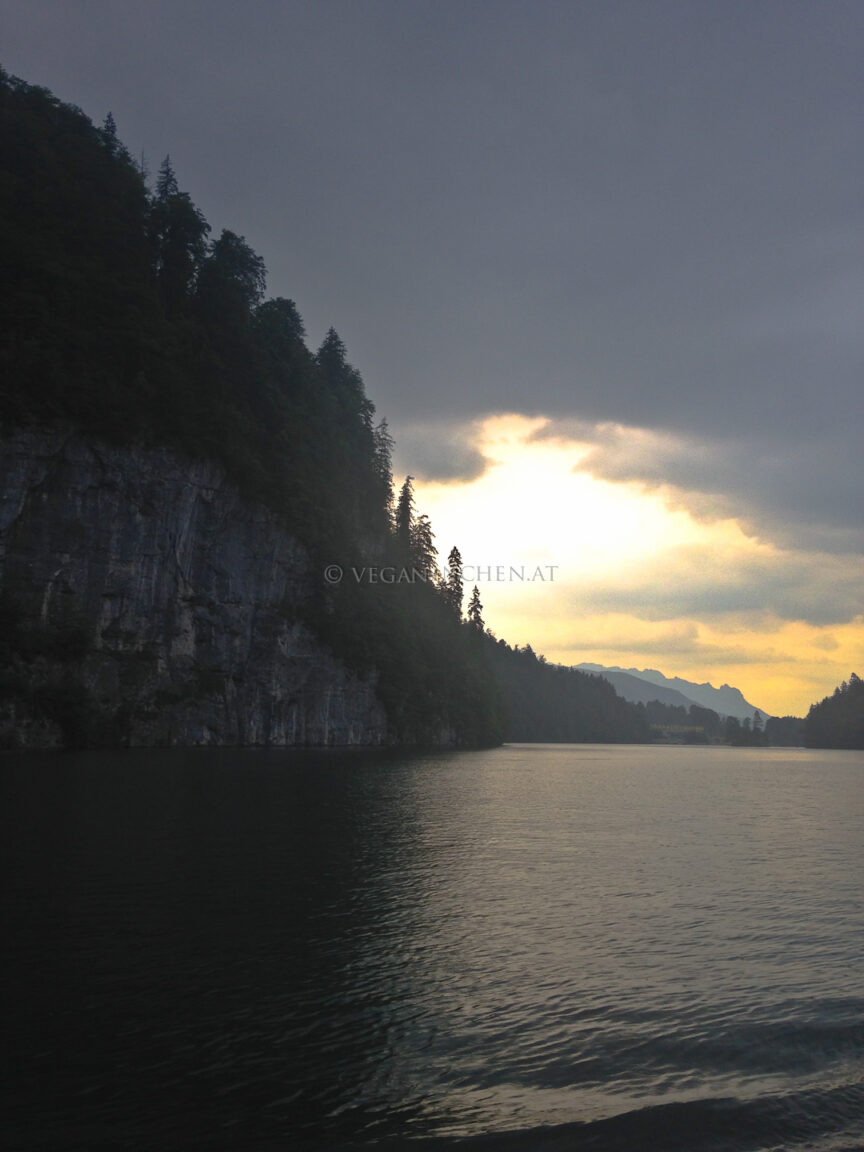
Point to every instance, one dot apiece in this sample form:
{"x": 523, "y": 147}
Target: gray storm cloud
{"x": 439, "y": 451}
{"x": 794, "y": 493}
{"x": 646, "y": 215}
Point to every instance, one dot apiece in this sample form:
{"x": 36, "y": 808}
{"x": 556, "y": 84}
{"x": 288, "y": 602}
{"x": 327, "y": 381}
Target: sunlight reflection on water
{"x": 338, "y": 946}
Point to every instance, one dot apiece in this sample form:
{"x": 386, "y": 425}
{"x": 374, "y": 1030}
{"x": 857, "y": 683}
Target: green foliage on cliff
{"x": 434, "y": 677}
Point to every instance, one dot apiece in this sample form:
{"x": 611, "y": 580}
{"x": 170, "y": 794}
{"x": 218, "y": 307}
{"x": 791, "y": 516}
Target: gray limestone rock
{"x": 189, "y": 598}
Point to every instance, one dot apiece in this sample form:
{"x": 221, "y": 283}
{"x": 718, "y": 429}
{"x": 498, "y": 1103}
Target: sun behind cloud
{"x": 615, "y": 572}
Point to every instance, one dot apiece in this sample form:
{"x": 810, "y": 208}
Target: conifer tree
{"x": 453, "y": 588}
{"x": 475, "y": 610}
{"x": 423, "y": 551}
{"x": 178, "y": 234}
{"x": 112, "y": 143}
{"x": 405, "y": 515}
{"x": 344, "y": 381}
{"x": 108, "y": 133}
{"x": 232, "y": 278}
{"x": 166, "y": 182}
{"x": 383, "y": 454}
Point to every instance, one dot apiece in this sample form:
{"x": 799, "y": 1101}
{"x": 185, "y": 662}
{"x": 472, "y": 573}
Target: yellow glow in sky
{"x": 586, "y": 569}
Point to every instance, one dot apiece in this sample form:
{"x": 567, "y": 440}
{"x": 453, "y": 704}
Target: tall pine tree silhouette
{"x": 453, "y": 588}
{"x": 475, "y": 610}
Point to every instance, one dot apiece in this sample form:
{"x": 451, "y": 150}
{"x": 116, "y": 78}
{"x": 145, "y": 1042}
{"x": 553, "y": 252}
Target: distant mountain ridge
{"x": 637, "y": 685}
{"x": 636, "y": 690}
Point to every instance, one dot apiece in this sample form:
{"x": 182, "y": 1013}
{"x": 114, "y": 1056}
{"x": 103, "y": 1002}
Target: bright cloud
{"x": 581, "y": 551}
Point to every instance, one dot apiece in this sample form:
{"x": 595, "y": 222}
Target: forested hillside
{"x": 838, "y": 720}
{"x": 125, "y": 319}
{"x": 548, "y": 703}
{"x": 123, "y": 315}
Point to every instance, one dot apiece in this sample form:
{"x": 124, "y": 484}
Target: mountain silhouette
{"x": 647, "y": 684}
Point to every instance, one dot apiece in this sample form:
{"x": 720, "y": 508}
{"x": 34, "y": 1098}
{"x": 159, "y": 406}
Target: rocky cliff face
{"x": 166, "y": 609}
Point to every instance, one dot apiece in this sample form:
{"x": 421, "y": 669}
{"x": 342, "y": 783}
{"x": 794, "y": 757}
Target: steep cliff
{"x": 168, "y": 594}
{"x": 153, "y": 605}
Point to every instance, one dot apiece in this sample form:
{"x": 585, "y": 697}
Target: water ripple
{"x": 536, "y": 947}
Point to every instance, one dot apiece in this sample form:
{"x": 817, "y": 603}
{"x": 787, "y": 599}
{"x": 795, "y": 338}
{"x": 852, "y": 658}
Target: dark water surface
{"x": 536, "y": 947}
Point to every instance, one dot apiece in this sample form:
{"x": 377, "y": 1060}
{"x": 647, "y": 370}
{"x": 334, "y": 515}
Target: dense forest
{"x": 550, "y": 703}
{"x": 838, "y": 720}
{"x": 124, "y": 317}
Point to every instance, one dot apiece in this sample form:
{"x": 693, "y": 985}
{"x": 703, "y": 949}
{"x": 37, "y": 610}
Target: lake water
{"x": 534, "y": 947}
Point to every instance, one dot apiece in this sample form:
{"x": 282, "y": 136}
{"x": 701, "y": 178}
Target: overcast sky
{"x": 621, "y": 216}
